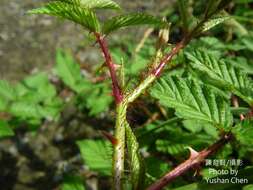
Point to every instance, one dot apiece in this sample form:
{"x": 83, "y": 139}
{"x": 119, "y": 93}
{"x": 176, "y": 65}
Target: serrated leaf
{"x": 131, "y": 19}
{"x": 208, "y": 44}
{"x": 222, "y": 74}
{"x": 74, "y": 12}
{"x": 95, "y": 97}
{"x": 32, "y": 99}
{"x": 69, "y": 71}
{"x": 24, "y": 109}
{"x": 193, "y": 100}
{"x": 97, "y": 155}
{"x": 136, "y": 166}
{"x": 72, "y": 183}
{"x": 170, "y": 147}
{"x": 94, "y": 4}
{"x": 5, "y": 130}
{"x": 98, "y": 98}
{"x": 193, "y": 125}
{"x": 37, "y": 86}
{"x": 213, "y": 22}
{"x": 244, "y": 133}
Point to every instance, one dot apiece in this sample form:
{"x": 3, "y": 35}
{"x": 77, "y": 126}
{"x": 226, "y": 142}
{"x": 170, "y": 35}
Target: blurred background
{"x": 29, "y": 42}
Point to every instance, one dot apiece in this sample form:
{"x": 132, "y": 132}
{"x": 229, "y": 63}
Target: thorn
{"x": 242, "y": 117}
{"x": 193, "y": 153}
{"x": 110, "y": 137}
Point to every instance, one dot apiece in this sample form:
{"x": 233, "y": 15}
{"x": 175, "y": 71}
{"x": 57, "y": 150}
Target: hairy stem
{"x": 156, "y": 71}
{"x": 123, "y": 100}
{"x": 119, "y": 133}
{"x": 194, "y": 160}
{"x": 119, "y": 148}
{"x": 108, "y": 59}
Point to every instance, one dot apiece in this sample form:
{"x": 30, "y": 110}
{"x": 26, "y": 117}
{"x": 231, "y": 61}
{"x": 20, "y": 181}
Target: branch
{"x": 194, "y": 160}
{"x": 117, "y": 93}
{"x": 157, "y": 71}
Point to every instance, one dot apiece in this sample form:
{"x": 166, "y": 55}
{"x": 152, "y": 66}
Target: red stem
{"x": 108, "y": 59}
{"x": 190, "y": 163}
{"x": 167, "y": 58}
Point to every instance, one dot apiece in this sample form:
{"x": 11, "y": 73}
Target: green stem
{"x": 119, "y": 148}
{"x": 140, "y": 88}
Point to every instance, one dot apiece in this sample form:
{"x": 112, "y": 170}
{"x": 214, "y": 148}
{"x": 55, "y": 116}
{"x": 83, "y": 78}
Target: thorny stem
{"x": 119, "y": 148}
{"x": 193, "y": 161}
{"x": 167, "y": 58}
{"x": 157, "y": 71}
{"x": 122, "y": 102}
{"x": 108, "y": 59}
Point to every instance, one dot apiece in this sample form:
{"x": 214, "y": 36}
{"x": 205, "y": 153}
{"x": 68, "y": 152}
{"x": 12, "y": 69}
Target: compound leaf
{"x": 131, "y": 19}
{"x": 213, "y": 22}
{"x": 244, "y": 132}
{"x": 94, "y": 4}
{"x": 223, "y": 74}
{"x": 71, "y": 11}
{"x": 69, "y": 71}
{"x": 193, "y": 100}
{"x": 97, "y": 155}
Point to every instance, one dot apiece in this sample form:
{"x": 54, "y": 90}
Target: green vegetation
{"x": 195, "y": 95}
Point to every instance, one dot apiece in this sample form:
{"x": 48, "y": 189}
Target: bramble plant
{"x": 199, "y": 83}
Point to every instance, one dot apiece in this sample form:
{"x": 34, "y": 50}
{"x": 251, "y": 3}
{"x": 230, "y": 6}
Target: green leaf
{"x": 7, "y": 92}
{"x": 193, "y": 100}
{"x": 74, "y": 12}
{"x": 5, "y": 130}
{"x": 94, "y": 4}
{"x": 69, "y": 71}
{"x": 213, "y": 22}
{"x": 248, "y": 187}
{"x": 247, "y": 41}
{"x": 222, "y": 74}
{"x": 158, "y": 169}
{"x": 131, "y": 19}
{"x": 98, "y": 98}
{"x": 136, "y": 166}
{"x": 193, "y": 125}
{"x": 97, "y": 155}
{"x": 37, "y": 86}
{"x": 170, "y": 147}
{"x": 72, "y": 183}
{"x": 244, "y": 133}
{"x": 214, "y": 6}
{"x": 25, "y": 109}
{"x": 95, "y": 97}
